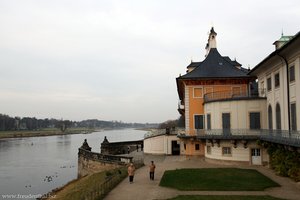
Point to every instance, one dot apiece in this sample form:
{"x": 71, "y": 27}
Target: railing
{"x": 157, "y": 132}
{"x": 233, "y": 95}
{"x": 281, "y": 136}
{"x": 278, "y": 136}
{"x": 99, "y": 191}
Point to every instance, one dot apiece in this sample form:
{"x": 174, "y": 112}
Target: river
{"x": 27, "y": 163}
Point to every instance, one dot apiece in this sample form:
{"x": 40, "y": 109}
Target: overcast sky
{"x": 118, "y": 59}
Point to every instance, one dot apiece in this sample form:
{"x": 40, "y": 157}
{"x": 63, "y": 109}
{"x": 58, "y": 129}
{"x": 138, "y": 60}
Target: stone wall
{"x": 117, "y": 148}
{"x": 91, "y": 162}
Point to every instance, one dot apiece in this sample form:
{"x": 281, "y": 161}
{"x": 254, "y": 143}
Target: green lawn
{"x": 221, "y": 197}
{"x": 216, "y": 179}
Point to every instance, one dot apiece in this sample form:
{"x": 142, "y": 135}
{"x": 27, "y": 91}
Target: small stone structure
{"x": 117, "y": 148}
{"x": 90, "y": 162}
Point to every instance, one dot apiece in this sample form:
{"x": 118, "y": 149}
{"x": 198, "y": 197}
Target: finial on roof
{"x": 212, "y": 31}
{"x": 282, "y": 32}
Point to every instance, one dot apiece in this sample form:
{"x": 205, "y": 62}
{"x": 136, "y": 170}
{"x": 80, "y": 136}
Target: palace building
{"x": 228, "y": 108}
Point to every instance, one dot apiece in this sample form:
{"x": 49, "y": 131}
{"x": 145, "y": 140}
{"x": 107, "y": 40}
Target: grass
{"x": 78, "y": 189}
{"x": 43, "y": 132}
{"x": 216, "y": 179}
{"x": 223, "y": 197}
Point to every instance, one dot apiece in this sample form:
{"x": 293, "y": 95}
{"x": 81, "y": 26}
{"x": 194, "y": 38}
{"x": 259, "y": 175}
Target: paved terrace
{"x": 144, "y": 189}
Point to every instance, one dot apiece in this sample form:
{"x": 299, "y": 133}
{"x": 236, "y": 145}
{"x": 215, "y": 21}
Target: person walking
{"x": 152, "y": 170}
{"x": 131, "y": 170}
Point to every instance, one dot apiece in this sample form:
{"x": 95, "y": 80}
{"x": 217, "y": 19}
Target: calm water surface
{"x": 26, "y": 163}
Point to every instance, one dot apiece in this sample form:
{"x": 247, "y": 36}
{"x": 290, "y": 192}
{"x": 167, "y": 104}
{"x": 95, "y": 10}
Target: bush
{"x": 284, "y": 162}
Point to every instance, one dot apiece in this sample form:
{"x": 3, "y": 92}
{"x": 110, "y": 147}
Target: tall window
{"x": 199, "y": 121}
{"x": 208, "y": 149}
{"x": 293, "y": 117}
{"x": 269, "y": 84}
{"x": 197, "y": 147}
{"x": 254, "y": 120}
{"x": 208, "y": 119}
{"x": 277, "y": 80}
{"x": 278, "y": 117}
{"x": 270, "y": 115}
{"x": 292, "y": 73}
{"x": 226, "y": 120}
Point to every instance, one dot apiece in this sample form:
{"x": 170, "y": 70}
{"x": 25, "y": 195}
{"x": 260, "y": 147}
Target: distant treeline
{"x": 179, "y": 123}
{"x": 8, "y": 123}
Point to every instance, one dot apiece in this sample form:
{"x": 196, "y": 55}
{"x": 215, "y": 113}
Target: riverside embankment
{"x": 27, "y": 163}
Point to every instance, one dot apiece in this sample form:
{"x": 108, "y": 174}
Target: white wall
{"x": 239, "y": 154}
{"x": 161, "y": 144}
{"x": 239, "y": 112}
{"x": 279, "y": 95}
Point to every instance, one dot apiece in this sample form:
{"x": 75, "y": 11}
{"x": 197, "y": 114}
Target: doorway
{"x": 175, "y": 147}
{"x": 256, "y": 156}
{"x": 226, "y": 123}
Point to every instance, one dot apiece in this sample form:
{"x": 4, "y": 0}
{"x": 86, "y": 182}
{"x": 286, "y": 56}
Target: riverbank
{"x": 44, "y": 132}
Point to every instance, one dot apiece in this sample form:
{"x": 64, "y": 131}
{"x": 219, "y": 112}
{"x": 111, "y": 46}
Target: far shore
{"x": 45, "y": 132}
{"x": 53, "y": 131}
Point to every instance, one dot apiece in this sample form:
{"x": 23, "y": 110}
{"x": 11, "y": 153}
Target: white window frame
{"x": 226, "y": 151}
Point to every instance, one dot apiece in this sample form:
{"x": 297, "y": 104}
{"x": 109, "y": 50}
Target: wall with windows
{"x": 191, "y": 147}
{"x": 273, "y": 78}
{"x": 294, "y": 75}
{"x": 226, "y": 151}
{"x": 194, "y": 98}
{"x": 237, "y": 114}
{"x": 276, "y": 95}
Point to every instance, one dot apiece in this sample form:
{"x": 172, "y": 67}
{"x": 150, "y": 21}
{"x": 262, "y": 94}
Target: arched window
{"x": 278, "y": 117}
{"x": 270, "y": 114}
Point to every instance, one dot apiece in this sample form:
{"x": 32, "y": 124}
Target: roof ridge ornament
{"x": 212, "y": 43}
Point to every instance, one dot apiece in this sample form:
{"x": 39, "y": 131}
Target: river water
{"x": 36, "y": 165}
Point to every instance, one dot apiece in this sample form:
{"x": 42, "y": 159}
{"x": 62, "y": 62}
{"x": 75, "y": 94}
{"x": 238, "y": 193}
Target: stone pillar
{"x": 86, "y": 146}
{"x": 105, "y": 146}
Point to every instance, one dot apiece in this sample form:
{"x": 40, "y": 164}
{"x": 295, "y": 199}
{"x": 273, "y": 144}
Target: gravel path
{"x": 145, "y": 189}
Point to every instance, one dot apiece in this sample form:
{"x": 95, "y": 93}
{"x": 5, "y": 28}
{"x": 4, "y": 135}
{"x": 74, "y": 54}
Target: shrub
{"x": 284, "y": 162}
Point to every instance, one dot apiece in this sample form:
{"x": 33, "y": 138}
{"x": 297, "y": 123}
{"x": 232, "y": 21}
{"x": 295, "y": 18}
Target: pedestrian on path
{"x": 131, "y": 170}
{"x": 152, "y": 170}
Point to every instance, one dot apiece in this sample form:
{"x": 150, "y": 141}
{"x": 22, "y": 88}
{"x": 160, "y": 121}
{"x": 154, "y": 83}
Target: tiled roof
{"x": 194, "y": 64}
{"x": 215, "y": 66}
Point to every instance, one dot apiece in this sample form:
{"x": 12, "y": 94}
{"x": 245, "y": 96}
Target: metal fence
{"x": 99, "y": 191}
{"x": 284, "y": 137}
{"x": 224, "y": 95}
